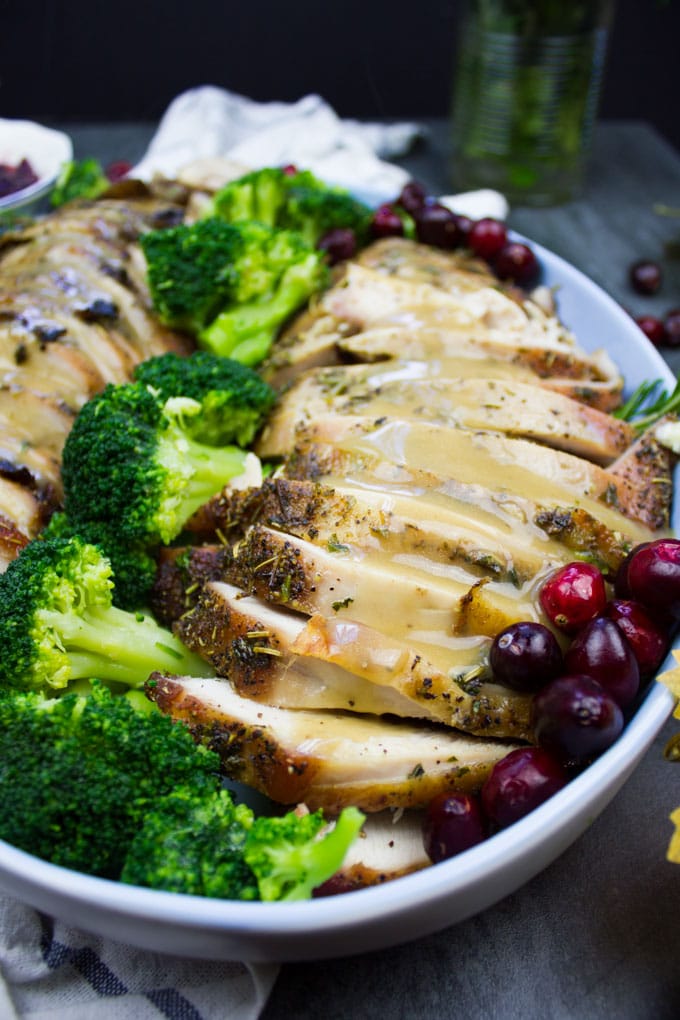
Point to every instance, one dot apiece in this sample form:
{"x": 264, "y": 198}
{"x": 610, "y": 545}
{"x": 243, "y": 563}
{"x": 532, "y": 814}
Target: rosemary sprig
{"x": 650, "y": 402}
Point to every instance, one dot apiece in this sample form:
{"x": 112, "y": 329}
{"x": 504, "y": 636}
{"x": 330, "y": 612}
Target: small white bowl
{"x": 45, "y": 149}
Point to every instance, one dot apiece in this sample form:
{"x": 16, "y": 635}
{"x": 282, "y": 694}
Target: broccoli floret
{"x": 314, "y": 209}
{"x": 58, "y": 623}
{"x": 259, "y": 195}
{"x": 290, "y": 858}
{"x": 234, "y": 400}
{"x": 207, "y": 846}
{"x": 129, "y": 460}
{"x": 194, "y": 844}
{"x": 297, "y": 201}
{"x": 246, "y": 332}
{"x": 79, "y": 773}
{"x": 198, "y": 271}
{"x": 110, "y": 786}
{"x": 79, "y": 179}
{"x": 191, "y": 271}
{"x": 133, "y": 566}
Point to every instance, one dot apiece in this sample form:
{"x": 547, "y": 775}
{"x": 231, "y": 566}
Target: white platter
{"x": 45, "y": 149}
{"x": 418, "y": 904}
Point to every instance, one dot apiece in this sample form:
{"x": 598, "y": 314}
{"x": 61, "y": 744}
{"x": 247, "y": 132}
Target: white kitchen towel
{"x": 49, "y": 971}
{"x": 208, "y": 121}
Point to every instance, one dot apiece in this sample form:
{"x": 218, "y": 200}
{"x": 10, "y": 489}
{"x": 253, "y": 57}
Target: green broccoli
{"x": 198, "y": 272}
{"x": 191, "y": 270}
{"x": 259, "y": 195}
{"x": 295, "y": 200}
{"x": 194, "y": 844}
{"x": 79, "y": 773}
{"x": 314, "y": 209}
{"x": 133, "y": 567}
{"x": 208, "y": 846}
{"x": 129, "y": 461}
{"x": 245, "y": 332}
{"x": 58, "y": 623}
{"x": 234, "y": 399}
{"x": 110, "y": 786}
{"x": 290, "y": 856}
{"x": 79, "y": 179}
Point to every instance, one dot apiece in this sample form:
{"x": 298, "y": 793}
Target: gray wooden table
{"x": 597, "y": 935}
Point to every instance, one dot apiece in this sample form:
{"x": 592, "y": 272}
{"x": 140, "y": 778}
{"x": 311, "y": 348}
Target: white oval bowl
{"x": 45, "y": 149}
{"x": 417, "y": 904}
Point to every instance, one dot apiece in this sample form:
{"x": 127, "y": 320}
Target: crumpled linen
{"x": 49, "y": 971}
{"x": 207, "y": 121}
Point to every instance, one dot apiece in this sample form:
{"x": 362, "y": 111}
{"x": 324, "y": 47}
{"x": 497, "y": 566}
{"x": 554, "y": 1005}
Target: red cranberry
{"x": 672, "y": 327}
{"x": 413, "y": 197}
{"x": 16, "y": 178}
{"x": 289, "y": 169}
{"x": 647, "y": 637}
{"x": 621, "y": 586}
{"x": 520, "y": 782}
{"x": 575, "y": 719}
{"x": 487, "y": 236}
{"x": 653, "y": 328}
{"x": 525, "y": 656}
{"x": 516, "y": 262}
{"x": 117, "y": 170}
{"x": 645, "y": 276}
{"x": 453, "y": 822}
{"x": 339, "y": 244}
{"x": 601, "y": 651}
{"x": 465, "y": 225}
{"x": 654, "y": 575}
{"x": 386, "y": 222}
{"x": 573, "y": 595}
{"x": 436, "y": 225}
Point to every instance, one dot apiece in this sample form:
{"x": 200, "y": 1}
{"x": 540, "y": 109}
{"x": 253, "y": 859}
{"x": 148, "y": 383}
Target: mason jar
{"x": 526, "y": 87}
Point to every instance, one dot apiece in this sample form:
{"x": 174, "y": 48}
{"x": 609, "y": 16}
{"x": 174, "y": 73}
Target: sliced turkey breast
{"x": 326, "y": 760}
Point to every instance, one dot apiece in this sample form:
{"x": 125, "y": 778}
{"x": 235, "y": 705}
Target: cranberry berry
{"x": 386, "y": 222}
{"x": 653, "y": 576}
{"x": 339, "y": 244}
{"x": 573, "y": 595}
{"x": 117, "y": 170}
{"x": 601, "y": 651}
{"x": 520, "y": 782}
{"x": 453, "y": 822}
{"x": 645, "y": 277}
{"x": 413, "y": 197}
{"x": 575, "y": 719}
{"x": 516, "y": 262}
{"x": 487, "y": 236}
{"x": 647, "y": 637}
{"x": 436, "y": 225}
{"x": 653, "y": 328}
{"x": 672, "y": 328}
{"x": 525, "y": 656}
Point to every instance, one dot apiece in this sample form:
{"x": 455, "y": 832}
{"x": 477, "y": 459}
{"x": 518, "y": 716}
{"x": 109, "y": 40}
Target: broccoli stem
{"x": 112, "y": 644}
{"x": 250, "y": 329}
{"x": 196, "y": 473}
{"x": 302, "y": 868}
{"x": 212, "y": 467}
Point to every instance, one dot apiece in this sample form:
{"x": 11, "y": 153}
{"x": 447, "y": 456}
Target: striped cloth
{"x": 49, "y": 971}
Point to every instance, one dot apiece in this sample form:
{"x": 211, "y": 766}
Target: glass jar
{"x": 526, "y": 87}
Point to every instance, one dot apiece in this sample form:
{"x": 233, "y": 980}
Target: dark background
{"x": 83, "y": 60}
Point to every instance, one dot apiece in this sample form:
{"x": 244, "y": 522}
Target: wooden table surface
{"x": 597, "y": 935}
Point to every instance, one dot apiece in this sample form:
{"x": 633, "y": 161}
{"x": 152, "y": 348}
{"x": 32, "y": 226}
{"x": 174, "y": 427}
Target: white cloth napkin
{"x": 209, "y": 121}
{"x": 49, "y": 971}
